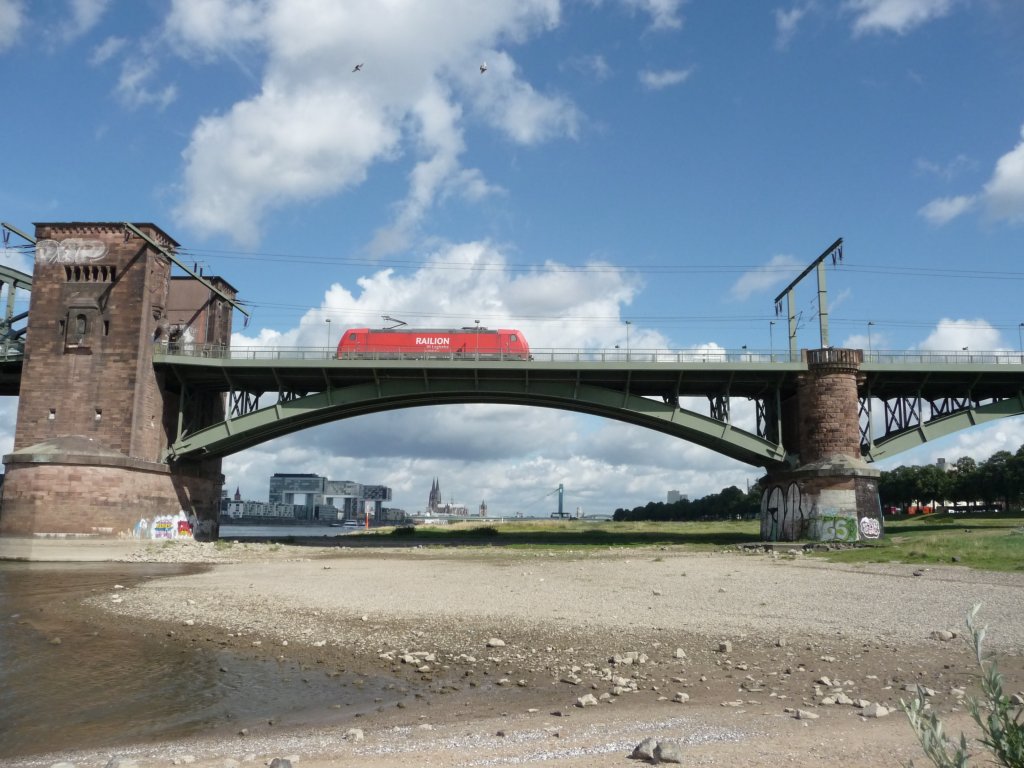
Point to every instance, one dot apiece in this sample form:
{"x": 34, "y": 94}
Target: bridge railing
{"x": 714, "y": 356}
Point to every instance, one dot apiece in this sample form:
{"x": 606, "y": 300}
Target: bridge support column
{"x": 94, "y": 415}
{"x": 832, "y": 495}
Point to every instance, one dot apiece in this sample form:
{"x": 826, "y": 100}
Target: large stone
{"x": 645, "y": 750}
{"x": 668, "y": 752}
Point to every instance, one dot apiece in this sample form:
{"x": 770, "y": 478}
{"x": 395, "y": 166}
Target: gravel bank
{"x": 499, "y": 646}
{"x": 608, "y": 591}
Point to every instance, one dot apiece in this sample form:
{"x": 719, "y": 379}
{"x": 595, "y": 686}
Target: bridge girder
{"x": 292, "y": 413}
{"x": 914, "y": 430}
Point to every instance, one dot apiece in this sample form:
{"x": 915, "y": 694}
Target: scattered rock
{"x": 679, "y": 654}
{"x": 943, "y": 634}
{"x": 495, "y": 642}
{"x": 280, "y": 762}
{"x": 355, "y": 735}
{"x": 875, "y": 710}
{"x": 919, "y": 689}
{"x": 725, "y": 646}
{"x": 681, "y": 698}
{"x": 587, "y": 700}
{"x": 803, "y": 714}
{"x": 668, "y": 752}
{"x": 644, "y": 750}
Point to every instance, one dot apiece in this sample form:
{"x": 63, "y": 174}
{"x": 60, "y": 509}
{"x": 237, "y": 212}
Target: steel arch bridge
{"x": 307, "y": 393}
{"x": 906, "y": 399}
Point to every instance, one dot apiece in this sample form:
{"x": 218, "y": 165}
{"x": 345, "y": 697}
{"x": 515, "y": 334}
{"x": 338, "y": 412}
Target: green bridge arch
{"x": 335, "y": 403}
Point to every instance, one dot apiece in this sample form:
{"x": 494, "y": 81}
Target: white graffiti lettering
{"x": 870, "y": 528}
{"x": 73, "y": 250}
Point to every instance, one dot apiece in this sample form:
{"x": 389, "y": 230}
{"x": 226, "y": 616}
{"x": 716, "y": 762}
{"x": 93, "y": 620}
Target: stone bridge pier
{"x": 94, "y": 416}
{"x": 832, "y": 493}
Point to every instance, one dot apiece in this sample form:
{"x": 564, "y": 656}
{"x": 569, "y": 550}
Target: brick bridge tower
{"x": 832, "y": 495}
{"x": 94, "y": 416}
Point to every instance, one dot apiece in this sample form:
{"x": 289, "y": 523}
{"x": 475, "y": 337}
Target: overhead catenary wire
{"x": 594, "y": 266}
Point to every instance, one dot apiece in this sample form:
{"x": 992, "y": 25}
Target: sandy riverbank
{"x": 748, "y": 638}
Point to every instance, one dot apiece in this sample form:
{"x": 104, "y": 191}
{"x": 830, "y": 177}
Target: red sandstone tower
{"x": 96, "y": 419}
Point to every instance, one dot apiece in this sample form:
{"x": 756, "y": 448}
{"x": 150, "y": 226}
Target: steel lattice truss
{"x": 907, "y": 421}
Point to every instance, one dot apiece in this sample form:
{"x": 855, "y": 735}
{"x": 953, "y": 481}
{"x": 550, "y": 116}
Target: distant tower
{"x": 483, "y": 509}
{"x": 238, "y": 493}
{"x": 434, "y": 500}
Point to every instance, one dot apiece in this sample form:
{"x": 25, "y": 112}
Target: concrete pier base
{"x": 834, "y": 500}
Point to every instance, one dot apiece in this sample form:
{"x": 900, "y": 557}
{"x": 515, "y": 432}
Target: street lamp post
{"x": 771, "y": 340}
{"x": 328, "y": 322}
{"x": 628, "y": 323}
{"x": 477, "y": 339}
{"x": 870, "y": 324}
{"x": 1020, "y": 341}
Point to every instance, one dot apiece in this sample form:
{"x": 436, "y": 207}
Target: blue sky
{"x": 665, "y": 162}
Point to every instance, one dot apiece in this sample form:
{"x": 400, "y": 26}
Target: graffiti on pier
{"x": 785, "y": 512}
{"x": 870, "y": 527}
{"x": 791, "y": 511}
{"x": 72, "y": 250}
{"x": 165, "y": 527}
{"x": 832, "y": 525}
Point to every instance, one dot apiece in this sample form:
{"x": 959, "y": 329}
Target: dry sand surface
{"x": 491, "y": 649}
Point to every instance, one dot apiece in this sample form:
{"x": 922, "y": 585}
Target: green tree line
{"x": 997, "y": 481}
{"x": 727, "y": 504}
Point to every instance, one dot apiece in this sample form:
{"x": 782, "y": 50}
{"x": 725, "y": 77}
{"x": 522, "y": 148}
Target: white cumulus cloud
{"x": 786, "y": 23}
{"x": 1004, "y": 192}
{"x": 316, "y": 127}
{"x": 953, "y": 335}
{"x": 665, "y": 78}
{"x": 12, "y": 19}
{"x": 83, "y": 16}
{"x": 945, "y": 209}
{"x": 779, "y": 268}
{"x": 1002, "y": 196}
{"x": 665, "y": 14}
{"x": 899, "y": 16}
{"x": 460, "y": 283}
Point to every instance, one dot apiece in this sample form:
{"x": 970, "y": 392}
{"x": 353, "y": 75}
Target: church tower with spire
{"x": 434, "y": 500}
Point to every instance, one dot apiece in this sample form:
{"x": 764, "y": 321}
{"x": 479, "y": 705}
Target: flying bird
{"x": 357, "y": 68}
{"x": 483, "y": 67}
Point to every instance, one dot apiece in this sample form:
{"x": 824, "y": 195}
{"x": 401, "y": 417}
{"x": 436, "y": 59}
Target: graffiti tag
{"x": 73, "y": 250}
{"x": 870, "y": 528}
{"x": 784, "y": 514}
{"x": 836, "y": 528}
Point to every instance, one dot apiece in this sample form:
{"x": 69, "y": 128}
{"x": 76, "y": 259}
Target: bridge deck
{"x": 886, "y": 376}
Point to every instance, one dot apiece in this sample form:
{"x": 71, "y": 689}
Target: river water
{"x": 74, "y": 679}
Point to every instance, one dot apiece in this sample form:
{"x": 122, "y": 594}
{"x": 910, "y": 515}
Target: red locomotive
{"x": 445, "y": 343}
